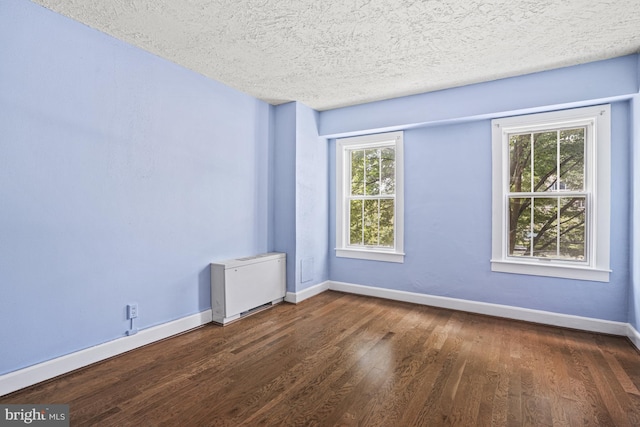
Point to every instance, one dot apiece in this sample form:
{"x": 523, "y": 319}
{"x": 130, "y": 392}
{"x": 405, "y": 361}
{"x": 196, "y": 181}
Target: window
{"x": 551, "y": 175}
{"x": 369, "y": 191}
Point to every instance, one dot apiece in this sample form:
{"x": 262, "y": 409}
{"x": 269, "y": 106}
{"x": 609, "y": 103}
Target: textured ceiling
{"x": 328, "y": 54}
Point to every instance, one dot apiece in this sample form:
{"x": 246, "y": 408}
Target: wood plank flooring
{"x": 339, "y": 359}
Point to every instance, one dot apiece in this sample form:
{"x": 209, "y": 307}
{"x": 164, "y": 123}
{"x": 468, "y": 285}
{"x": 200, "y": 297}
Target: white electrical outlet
{"x": 132, "y": 311}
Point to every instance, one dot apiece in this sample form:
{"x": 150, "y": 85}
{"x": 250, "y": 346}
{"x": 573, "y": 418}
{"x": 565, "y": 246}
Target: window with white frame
{"x": 369, "y": 197}
{"x": 551, "y": 194}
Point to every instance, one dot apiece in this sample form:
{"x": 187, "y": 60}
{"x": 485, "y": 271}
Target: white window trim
{"x": 598, "y": 161}
{"x": 395, "y": 254}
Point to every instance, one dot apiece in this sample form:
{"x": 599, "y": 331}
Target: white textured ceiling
{"x": 328, "y": 54}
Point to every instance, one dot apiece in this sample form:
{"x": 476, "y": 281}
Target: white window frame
{"x": 597, "y": 120}
{"x": 343, "y": 164}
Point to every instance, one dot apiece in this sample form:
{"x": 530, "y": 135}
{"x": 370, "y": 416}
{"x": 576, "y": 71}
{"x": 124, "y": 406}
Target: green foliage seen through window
{"x": 372, "y": 197}
{"x": 547, "y": 210}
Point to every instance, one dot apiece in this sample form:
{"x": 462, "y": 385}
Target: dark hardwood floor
{"x": 339, "y": 359}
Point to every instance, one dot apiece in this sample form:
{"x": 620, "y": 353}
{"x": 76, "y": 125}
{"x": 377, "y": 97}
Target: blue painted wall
{"x": 634, "y": 286}
{"x": 448, "y": 189}
{"x": 562, "y": 88}
{"x": 284, "y": 196}
{"x": 312, "y": 192}
{"x": 122, "y": 176}
{"x": 301, "y": 195}
{"x": 448, "y": 229}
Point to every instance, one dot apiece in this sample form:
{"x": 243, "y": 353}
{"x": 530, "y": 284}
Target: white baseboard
{"x": 510, "y": 312}
{"x": 296, "y": 297}
{"x": 52, "y": 368}
{"x": 61, "y": 365}
{"x": 634, "y": 336}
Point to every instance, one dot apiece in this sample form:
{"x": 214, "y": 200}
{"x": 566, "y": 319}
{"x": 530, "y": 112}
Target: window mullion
{"x": 558, "y": 227}
{"x": 364, "y": 172}
{"x": 531, "y": 162}
{"x": 531, "y": 229}
{"x": 347, "y": 196}
{"x": 558, "y": 160}
{"x": 531, "y": 210}
{"x": 378, "y": 241}
{"x": 364, "y": 192}
{"x": 558, "y": 188}
{"x": 379, "y": 188}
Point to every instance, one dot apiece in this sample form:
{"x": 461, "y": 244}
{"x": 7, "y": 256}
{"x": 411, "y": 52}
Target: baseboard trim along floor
{"x": 34, "y": 374}
{"x": 52, "y": 368}
{"x": 498, "y": 310}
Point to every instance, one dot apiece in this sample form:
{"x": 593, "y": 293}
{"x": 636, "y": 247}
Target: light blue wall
{"x": 448, "y": 189}
{"x": 284, "y": 196}
{"x": 562, "y": 88}
{"x": 634, "y": 287}
{"x": 448, "y": 229}
{"x": 300, "y": 195}
{"x": 122, "y": 176}
{"x": 312, "y": 221}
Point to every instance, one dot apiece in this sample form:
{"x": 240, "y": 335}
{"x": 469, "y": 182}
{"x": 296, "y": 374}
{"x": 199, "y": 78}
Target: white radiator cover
{"x": 241, "y": 285}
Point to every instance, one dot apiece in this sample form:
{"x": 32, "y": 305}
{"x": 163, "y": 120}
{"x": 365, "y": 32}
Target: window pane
{"x": 572, "y": 159}
{"x": 550, "y": 239}
{"x": 545, "y": 161}
{"x": 355, "y": 222}
{"x": 572, "y": 228}
{"x": 388, "y": 169}
{"x": 357, "y": 173}
{"x": 520, "y": 226}
{"x": 386, "y": 222}
{"x": 372, "y": 171}
{"x": 371, "y": 217}
{"x": 371, "y": 221}
{"x": 520, "y": 162}
{"x": 545, "y": 227}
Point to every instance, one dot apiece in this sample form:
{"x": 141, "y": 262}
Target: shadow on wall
{"x": 204, "y": 288}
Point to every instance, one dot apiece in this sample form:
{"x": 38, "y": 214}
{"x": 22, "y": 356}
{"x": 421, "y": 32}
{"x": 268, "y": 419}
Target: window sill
{"x": 551, "y": 270}
{"x": 371, "y": 255}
